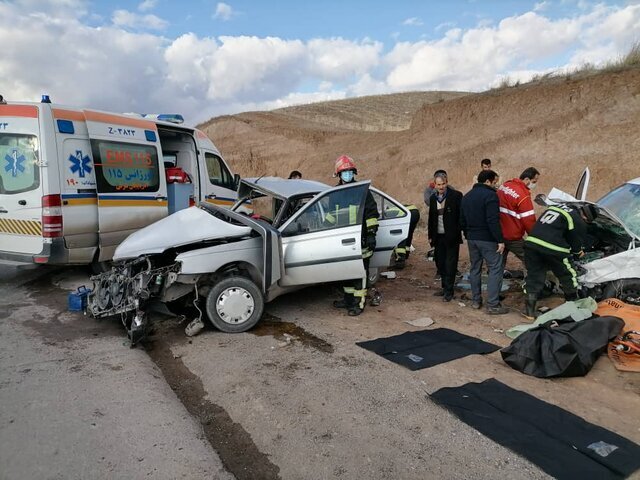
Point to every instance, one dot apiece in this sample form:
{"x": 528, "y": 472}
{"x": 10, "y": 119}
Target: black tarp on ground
{"x": 426, "y": 348}
{"x": 567, "y": 350}
{"x": 558, "y": 442}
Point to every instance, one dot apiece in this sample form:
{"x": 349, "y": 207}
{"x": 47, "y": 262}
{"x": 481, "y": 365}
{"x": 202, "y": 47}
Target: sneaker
{"x": 375, "y": 299}
{"x": 447, "y": 298}
{"x": 355, "y": 311}
{"x": 499, "y": 310}
{"x": 439, "y": 293}
{"x": 476, "y": 305}
{"x": 438, "y": 277}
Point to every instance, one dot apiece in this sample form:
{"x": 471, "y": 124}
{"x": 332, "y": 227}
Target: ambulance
{"x": 74, "y": 183}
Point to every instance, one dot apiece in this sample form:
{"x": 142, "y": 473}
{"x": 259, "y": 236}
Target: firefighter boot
{"x": 360, "y": 297}
{"x": 347, "y": 302}
{"x": 530, "y": 307}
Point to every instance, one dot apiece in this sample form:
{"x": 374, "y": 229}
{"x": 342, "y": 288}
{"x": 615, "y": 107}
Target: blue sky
{"x": 207, "y": 58}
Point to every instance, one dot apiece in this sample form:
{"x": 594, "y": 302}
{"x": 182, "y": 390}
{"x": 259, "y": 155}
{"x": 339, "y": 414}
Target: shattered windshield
{"x": 624, "y": 202}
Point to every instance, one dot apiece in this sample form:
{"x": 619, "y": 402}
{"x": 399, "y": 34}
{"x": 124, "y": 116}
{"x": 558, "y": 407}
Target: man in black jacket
{"x": 444, "y": 232}
{"x": 480, "y": 222}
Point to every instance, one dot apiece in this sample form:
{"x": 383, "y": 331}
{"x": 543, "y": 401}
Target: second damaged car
{"x": 227, "y": 263}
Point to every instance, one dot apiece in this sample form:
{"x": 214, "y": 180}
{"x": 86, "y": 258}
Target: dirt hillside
{"x": 559, "y": 126}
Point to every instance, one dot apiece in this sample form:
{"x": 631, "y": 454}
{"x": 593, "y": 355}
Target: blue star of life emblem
{"x": 15, "y": 162}
{"x": 80, "y": 163}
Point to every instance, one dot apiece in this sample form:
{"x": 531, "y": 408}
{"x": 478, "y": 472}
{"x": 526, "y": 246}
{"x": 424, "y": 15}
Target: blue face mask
{"x": 347, "y": 176}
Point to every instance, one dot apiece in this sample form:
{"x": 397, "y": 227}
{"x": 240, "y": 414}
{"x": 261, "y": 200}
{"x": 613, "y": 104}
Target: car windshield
{"x": 624, "y": 202}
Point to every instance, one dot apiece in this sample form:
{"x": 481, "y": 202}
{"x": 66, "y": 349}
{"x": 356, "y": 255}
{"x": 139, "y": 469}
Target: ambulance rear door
{"x": 218, "y": 185}
{"x": 130, "y": 180}
{"x": 21, "y": 183}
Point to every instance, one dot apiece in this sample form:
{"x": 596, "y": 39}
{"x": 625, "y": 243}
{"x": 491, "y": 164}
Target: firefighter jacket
{"x": 517, "y": 216}
{"x": 560, "y": 231}
{"x": 369, "y": 221}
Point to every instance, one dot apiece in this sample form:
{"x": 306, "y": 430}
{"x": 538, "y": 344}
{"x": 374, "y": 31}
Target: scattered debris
{"x": 498, "y": 330}
{"x": 288, "y": 339}
{"x": 462, "y": 304}
{"x": 389, "y": 275}
{"x": 194, "y": 327}
{"x": 421, "y": 322}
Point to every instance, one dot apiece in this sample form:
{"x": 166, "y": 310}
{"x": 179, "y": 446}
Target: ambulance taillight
{"x": 51, "y": 216}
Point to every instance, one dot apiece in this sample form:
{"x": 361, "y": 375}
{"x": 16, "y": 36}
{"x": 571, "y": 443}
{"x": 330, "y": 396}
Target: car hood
{"x": 184, "y": 227}
{"x": 609, "y": 221}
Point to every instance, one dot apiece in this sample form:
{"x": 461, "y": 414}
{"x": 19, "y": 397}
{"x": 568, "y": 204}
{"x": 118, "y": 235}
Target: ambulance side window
{"x": 218, "y": 173}
{"x": 125, "y": 167}
{"x": 19, "y": 170}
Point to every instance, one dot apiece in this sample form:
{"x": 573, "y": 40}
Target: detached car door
{"x": 322, "y": 242}
{"x": 393, "y": 228}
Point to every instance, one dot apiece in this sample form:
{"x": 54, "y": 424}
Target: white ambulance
{"x": 74, "y": 183}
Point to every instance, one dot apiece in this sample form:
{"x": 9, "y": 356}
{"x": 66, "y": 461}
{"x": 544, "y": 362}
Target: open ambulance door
{"x": 130, "y": 180}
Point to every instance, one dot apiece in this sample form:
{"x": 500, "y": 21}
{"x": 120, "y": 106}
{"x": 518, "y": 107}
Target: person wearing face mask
{"x": 355, "y": 293}
{"x": 517, "y": 216}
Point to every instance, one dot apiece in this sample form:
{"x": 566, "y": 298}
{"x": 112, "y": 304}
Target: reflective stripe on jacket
{"x": 517, "y": 216}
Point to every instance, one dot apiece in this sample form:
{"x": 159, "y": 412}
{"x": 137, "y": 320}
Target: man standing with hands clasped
{"x": 444, "y": 232}
{"x": 480, "y": 221}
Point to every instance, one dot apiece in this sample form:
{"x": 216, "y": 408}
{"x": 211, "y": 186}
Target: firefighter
{"x": 558, "y": 234}
{"x": 402, "y": 251}
{"x": 355, "y": 293}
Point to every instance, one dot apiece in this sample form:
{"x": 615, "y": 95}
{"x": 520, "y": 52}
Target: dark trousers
{"x": 446, "y": 256}
{"x": 355, "y": 291}
{"x": 514, "y": 246}
{"x": 538, "y": 262}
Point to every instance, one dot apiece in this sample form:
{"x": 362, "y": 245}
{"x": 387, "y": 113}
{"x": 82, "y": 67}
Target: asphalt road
{"x": 77, "y": 403}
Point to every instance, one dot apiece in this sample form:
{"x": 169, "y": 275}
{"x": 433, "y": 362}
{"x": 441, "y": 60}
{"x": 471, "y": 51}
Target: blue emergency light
{"x": 170, "y": 117}
{"x": 45, "y": 99}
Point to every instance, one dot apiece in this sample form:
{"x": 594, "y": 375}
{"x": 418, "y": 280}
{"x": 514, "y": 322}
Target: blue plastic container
{"x": 78, "y": 299}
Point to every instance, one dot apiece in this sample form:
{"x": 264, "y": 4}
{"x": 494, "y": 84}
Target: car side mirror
{"x": 541, "y": 199}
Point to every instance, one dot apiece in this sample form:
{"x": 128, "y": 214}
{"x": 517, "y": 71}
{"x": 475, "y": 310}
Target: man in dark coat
{"x": 444, "y": 232}
{"x": 480, "y": 222}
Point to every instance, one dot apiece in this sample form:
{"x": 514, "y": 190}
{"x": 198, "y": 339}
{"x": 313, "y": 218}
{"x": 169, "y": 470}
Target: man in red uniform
{"x": 517, "y": 216}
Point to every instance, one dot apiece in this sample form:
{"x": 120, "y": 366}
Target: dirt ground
{"x": 296, "y": 398}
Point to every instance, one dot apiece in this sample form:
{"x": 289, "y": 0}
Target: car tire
{"x": 623, "y": 289}
{"x": 235, "y": 304}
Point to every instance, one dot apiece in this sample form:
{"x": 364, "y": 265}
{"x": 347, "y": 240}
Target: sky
{"x": 204, "y": 58}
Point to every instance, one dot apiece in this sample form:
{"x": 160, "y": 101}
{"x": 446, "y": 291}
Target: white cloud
{"x": 541, "y": 6}
{"x": 223, "y": 11}
{"x": 125, "y": 18}
{"x": 147, "y": 5}
{"x": 413, "y": 21}
{"x": 62, "y": 49}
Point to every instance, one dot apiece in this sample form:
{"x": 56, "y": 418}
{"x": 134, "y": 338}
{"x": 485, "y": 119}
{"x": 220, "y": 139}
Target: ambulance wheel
{"x": 100, "y": 267}
{"x": 235, "y": 304}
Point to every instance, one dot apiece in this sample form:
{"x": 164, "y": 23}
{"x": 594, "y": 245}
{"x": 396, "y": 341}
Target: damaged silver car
{"x": 227, "y": 263}
{"x": 611, "y": 265}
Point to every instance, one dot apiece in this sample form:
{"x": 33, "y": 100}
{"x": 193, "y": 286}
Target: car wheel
{"x": 235, "y": 304}
{"x": 627, "y": 290}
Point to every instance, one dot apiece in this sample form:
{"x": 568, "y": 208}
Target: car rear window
{"x": 125, "y": 167}
{"x": 19, "y": 171}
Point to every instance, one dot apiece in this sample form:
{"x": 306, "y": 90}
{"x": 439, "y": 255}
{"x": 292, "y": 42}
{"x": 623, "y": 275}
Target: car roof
{"x": 635, "y": 181}
{"x": 286, "y": 188}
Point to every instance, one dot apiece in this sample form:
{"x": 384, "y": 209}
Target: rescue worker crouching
{"x": 558, "y": 235}
{"x": 355, "y": 293}
{"x": 402, "y": 251}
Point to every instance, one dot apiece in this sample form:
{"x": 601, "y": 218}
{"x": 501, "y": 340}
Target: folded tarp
{"x": 561, "y": 349}
{"x": 562, "y": 444}
{"x": 426, "y": 348}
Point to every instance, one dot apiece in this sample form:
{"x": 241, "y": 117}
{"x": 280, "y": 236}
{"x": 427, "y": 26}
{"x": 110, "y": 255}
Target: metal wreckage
{"x": 227, "y": 263}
